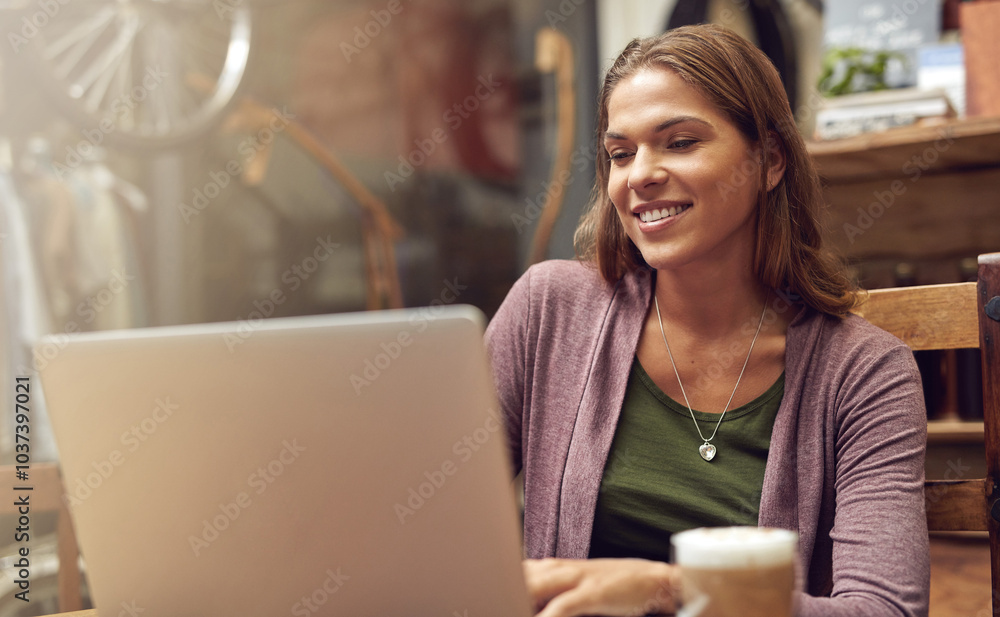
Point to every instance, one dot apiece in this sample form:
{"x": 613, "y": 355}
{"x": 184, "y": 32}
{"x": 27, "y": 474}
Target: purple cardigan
{"x": 846, "y": 464}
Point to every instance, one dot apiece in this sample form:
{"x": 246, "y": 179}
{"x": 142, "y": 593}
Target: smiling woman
{"x": 729, "y": 79}
{"x": 697, "y": 365}
{"x": 669, "y": 179}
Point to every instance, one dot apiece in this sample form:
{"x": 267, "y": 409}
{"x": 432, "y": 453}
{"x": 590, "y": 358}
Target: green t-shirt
{"x": 655, "y": 483}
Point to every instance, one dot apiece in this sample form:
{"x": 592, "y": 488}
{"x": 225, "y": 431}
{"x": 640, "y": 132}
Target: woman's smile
{"x": 657, "y": 215}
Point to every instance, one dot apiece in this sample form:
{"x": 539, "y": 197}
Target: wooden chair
{"x": 962, "y": 315}
{"x": 47, "y": 496}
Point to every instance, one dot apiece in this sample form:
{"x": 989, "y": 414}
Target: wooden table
{"x": 960, "y": 577}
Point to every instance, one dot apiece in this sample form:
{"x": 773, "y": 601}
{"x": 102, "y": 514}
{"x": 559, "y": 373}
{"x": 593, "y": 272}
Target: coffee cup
{"x": 736, "y": 571}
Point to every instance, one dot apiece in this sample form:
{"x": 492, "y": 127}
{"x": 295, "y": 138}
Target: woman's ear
{"x": 775, "y": 160}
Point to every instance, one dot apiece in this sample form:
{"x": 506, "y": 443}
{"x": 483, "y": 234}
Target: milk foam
{"x": 734, "y": 547}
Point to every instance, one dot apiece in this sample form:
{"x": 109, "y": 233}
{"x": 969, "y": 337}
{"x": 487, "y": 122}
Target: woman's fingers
{"x": 573, "y": 603}
{"x": 614, "y": 587}
{"x": 547, "y": 578}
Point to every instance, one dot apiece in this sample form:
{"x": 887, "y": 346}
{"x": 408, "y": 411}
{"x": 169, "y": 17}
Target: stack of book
{"x": 853, "y": 114}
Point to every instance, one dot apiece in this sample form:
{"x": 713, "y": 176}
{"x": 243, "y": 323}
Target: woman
{"x": 698, "y": 366}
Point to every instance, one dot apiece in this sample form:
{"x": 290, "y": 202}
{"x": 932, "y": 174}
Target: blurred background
{"x": 181, "y": 161}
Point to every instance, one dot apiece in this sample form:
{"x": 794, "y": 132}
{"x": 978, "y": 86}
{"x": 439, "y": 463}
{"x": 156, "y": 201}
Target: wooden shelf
{"x": 954, "y": 432}
{"x": 917, "y": 192}
{"x": 877, "y": 155}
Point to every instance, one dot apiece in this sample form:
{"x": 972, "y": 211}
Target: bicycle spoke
{"x": 99, "y": 92}
{"x": 123, "y": 82}
{"x": 98, "y": 54}
{"x": 89, "y": 29}
{"x": 171, "y": 96}
{"x": 157, "y": 39}
{"x": 79, "y": 50}
{"x": 104, "y": 61}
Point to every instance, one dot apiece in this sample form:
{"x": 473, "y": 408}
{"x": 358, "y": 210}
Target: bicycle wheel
{"x": 148, "y": 73}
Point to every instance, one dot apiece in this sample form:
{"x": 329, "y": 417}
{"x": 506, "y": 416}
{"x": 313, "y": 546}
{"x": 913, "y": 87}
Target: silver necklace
{"x": 707, "y": 450}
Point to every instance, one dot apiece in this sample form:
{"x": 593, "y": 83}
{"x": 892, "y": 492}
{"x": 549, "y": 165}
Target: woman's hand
{"x": 612, "y": 587}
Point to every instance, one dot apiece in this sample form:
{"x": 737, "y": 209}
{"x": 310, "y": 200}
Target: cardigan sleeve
{"x": 880, "y": 553}
{"x": 506, "y": 345}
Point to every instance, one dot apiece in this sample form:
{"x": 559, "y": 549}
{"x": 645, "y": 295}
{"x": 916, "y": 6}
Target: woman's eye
{"x": 620, "y": 156}
{"x": 681, "y": 144}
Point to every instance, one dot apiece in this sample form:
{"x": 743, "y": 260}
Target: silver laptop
{"x": 330, "y": 465}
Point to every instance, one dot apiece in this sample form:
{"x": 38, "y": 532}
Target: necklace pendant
{"x": 707, "y": 451}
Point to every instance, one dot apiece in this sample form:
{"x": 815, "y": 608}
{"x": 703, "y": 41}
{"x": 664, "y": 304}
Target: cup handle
{"x": 693, "y": 608}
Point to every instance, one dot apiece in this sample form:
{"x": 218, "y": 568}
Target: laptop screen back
{"x": 347, "y": 464}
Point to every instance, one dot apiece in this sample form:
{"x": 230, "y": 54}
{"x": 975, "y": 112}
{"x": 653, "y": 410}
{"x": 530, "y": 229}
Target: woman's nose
{"x": 646, "y": 170}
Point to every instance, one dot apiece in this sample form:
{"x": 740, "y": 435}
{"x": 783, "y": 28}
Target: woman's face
{"x": 683, "y": 178}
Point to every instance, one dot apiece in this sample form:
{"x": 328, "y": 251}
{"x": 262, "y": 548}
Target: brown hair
{"x": 741, "y": 81}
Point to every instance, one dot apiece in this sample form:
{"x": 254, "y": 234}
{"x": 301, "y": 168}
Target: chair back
{"x": 46, "y": 495}
{"x": 956, "y": 316}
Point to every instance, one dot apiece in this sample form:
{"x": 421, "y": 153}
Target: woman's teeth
{"x": 654, "y": 215}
